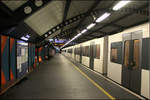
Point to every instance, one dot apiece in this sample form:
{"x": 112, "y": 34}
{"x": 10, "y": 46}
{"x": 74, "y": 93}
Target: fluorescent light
{"x": 25, "y": 44}
{"x": 104, "y": 16}
{"x": 83, "y": 31}
{"x": 24, "y": 38}
{"x": 50, "y": 40}
{"x": 121, "y": 4}
{"x": 27, "y": 36}
{"x": 91, "y": 25}
{"x": 78, "y": 35}
{"x": 73, "y": 38}
{"x": 45, "y": 35}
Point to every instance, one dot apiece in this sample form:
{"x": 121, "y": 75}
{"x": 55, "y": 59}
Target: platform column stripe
{"x": 5, "y": 59}
{"x": 3, "y": 79}
{"x": 11, "y": 66}
{"x": 93, "y": 82}
{"x": 3, "y": 42}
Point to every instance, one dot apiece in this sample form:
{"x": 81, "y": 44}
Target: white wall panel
{"x": 98, "y": 63}
{"x": 78, "y": 58}
{"x": 145, "y": 88}
{"x": 85, "y": 61}
{"x": 114, "y": 69}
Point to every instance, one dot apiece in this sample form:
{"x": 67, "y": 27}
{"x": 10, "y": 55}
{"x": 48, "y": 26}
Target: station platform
{"x": 62, "y": 78}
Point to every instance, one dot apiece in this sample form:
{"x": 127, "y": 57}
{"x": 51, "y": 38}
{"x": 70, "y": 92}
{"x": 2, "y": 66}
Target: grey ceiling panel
{"x": 47, "y": 17}
{"x": 88, "y": 20}
{"x": 78, "y": 7}
{"x": 109, "y": 29}
{"x": 132, "y": 20}
{"x": 105, "y": 4}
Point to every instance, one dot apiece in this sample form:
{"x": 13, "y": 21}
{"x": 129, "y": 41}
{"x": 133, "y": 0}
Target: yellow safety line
{"x": 93, "y": 82}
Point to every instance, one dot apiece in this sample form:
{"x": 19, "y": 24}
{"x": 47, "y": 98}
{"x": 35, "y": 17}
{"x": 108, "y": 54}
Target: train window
{"x": 85, "y": 51}
{"x": 69, "y": 50}
{"x": 75, "y": 51}
{"x": 136, "y": 53}
{"x": 116, "y": 52}
{"x": 114, "y": 55}
{"x": 97, "y": 55}
{"x": 126, "y": 53}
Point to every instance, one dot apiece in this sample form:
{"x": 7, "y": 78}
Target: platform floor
{"x": 59, "y": 78}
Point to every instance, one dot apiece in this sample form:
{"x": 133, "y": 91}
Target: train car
{"x": 123, "y": 57}
{"x": 126, "y": 65}
{"x": 70, "y": 52}
{"x": 93, "y": 54}
{"x": 77, "y": 51}
{"x": 90, "y": 54}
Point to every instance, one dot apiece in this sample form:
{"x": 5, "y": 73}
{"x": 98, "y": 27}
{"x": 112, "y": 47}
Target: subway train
{"x": 122, "y": 57}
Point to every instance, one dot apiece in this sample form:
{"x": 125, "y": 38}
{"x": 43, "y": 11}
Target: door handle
{"x": 132, "y": 64}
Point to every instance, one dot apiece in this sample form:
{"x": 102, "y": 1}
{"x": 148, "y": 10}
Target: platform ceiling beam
{"x": 59, "y": 26}
{"x": 96, "y": 3}
{"x": 67, "y": 6}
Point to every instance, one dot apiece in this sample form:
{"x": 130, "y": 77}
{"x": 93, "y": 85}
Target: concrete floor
{"x": 59, "y": 79}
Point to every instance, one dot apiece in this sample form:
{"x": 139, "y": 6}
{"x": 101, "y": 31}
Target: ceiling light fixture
{"x": 72, "y": 39}
{"x": 91, "y": 25}
{"x": 46, "y": 35}
{"x": 24, "y": 38}
{"x": 83, "y": 31}
{"x": 104, "y": 16}
{"x": 121, "y": 4}
{"x": 27, "y": 36}
{"x": 22, "y": 43}
{"x": 50, "y": 32}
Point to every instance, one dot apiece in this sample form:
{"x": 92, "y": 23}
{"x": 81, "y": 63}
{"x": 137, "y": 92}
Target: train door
{"x": 131, "y": 71}
{"x": 80, "y": 54}
{"x": 75, "y": 53}
{"x": 91, "y": 55}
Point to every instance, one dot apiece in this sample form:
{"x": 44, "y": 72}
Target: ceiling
{"x": 14, "y": 4}
{"x": 63, "y": 19}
